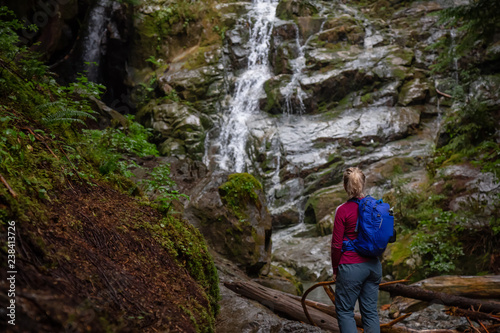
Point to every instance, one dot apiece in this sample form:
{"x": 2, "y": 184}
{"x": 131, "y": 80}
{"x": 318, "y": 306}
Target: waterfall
{"x": 453, "y": 34}
{"x": 293, "y": 87}
{"x": 249, "y": 86}
{"x": 94, "y": 39}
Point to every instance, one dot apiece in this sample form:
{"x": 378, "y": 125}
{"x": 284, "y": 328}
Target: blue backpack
{"x": 375, "y": 227}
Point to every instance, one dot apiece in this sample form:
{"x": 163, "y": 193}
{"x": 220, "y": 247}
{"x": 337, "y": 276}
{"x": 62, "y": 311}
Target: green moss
{"x": 345, "y": 102}
{"x": 272, "y": 100}
{"x": 291, "y": 9}
{"x": 395, "y": 257}
{"x": 399, "y": 73}
{"x": 198, "y": 59}
{"x": 367, "y": 98}
{"x": 281, "y": 273}
{"x": 188, "y": 246}
{"x": 238, "y": 191}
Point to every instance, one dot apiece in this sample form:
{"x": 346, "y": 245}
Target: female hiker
{"x": 357, "y": 277}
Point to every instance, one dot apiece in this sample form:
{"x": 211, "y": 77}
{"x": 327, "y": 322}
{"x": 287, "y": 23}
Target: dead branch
{"x": 39, "y": 138}
{"x": 454, "y": 311}
{"x": 482, "y": 325}
{"x": 472, "y": 326}
{"x": 397, "y": 320}
{"x": 393, "y": 282}
{"x": 11, "y": 191}
{"x": 443, "y": 94}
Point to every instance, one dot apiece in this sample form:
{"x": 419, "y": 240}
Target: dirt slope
{"x": 93, "y": 266}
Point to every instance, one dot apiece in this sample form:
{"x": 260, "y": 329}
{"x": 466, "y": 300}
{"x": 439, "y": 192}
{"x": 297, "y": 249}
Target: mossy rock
{"x": 390, "y": 168}
{"x": 203, "y": 56}
{"x": 414, "y": 92}
{"x": 274, "y": 101}
{"x": 291, "y": 9}
{"x": 231, "y": 212}
{"x": 280, "y": 279}
{"x": 323, "y": 203}
{"x": 330, "y": 175}
{"x": 238, "y": 191}
{"x": 398, "y": 260}
{"x": 342, "y": 28}
{"x": 180, "y": 129}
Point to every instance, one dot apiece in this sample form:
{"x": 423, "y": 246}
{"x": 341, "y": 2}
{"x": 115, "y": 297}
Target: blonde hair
{"x": 354, "y": 182}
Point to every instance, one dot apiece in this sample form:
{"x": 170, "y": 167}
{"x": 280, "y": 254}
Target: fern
{"x": 63, "y": 113}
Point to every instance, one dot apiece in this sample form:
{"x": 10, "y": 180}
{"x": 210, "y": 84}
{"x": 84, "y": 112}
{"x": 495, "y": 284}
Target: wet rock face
{"x": 345, "y": 86}
{"x": 471, "y": 190}
{"x": 342, "y": 29}
{"x": 290, "y": 9}
{"x": 241, "y": 233}
{"x": 180, "y": 129}
{"x": 306, "y": 257}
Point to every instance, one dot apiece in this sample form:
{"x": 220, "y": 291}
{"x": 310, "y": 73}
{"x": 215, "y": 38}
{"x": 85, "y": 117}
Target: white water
{"x": 94, "y": 39}
{"x": 249, "y": 86}
{"x": 293, "y": 87}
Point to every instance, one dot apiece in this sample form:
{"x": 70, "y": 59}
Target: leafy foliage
{"x": 411, "y": 206}
{"x": 163, "y": 187}
{"x": 131, "y": 140}
{"x": 478, "y": 18}
{"x": 27, "y": 82}
{"x": 437, "y": 243}
{"x": 471, "y": 25}
{"x": 470, "y": 132}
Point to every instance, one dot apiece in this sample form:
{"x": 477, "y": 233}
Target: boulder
{"x": 323, "y": 203}
{"x": 487, "y": 89}
{"x": 231, "y": 212}
{"x": 342, "y": 29}
{"x": 237, "y": 50}
{"x": 471, "y": 190}
{"x": 181, "y": 129}
{"x": 286, "y": 217}
{"x": 309, "y": 26}
{"x": 280, "y": 57}
{"x": 414, "y": 92}
{"x": 191, "y": 84}
{"x": 279, "y": 279}
{"x": 291, "y": 9}
{"x": 308, "y": 258}
{"x": 275, "y": 98}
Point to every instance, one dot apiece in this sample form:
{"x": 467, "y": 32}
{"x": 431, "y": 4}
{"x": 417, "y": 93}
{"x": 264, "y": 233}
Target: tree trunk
{"x": 283, "y": 304}
{"x": 442, "y": 298}
{"x": 487, "y": 286}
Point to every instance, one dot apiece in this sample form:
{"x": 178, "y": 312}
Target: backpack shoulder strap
{"x": 356, "y": 200}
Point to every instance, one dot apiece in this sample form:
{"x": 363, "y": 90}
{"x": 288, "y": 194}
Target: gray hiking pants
{"x": 358, "y": 282}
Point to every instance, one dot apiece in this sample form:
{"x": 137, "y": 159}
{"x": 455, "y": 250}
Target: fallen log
{"x": 486, "y": 286}
{"x": 290, "y": 306}
{"x": 440, "y": 297}
{"x": 283, "y": 303}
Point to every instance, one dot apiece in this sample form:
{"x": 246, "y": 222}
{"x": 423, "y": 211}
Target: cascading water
{"x": 94, "y": 38}
{"x": 234, "y": 129}
{"x": 293, "y": 87}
